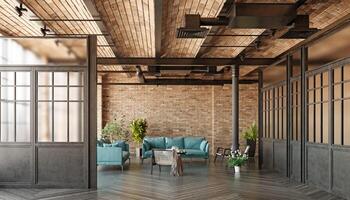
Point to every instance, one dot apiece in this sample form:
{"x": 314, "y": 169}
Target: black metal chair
{"x": 222, "y": 152}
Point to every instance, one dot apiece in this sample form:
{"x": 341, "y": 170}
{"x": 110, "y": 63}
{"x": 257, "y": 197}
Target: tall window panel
{"x": 15, "y": 106}
{"x": 296, "y": 110}
{"x": 341, "y": 87}
{"x": 317, "y": 104}
{"x": 60, "y": 106}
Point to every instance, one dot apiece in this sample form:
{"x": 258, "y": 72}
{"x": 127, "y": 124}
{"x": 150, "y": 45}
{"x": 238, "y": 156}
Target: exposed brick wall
{"x": 182, "y": 110}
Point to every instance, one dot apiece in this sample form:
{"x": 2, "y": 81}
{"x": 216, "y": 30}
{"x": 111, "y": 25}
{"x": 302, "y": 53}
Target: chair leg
{"x": 142, "y": 161}
{"x": 215, "y": 158}
{"x": 122, "y": 168}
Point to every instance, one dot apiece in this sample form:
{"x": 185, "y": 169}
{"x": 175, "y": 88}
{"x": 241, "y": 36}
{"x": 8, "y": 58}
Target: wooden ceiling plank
{"x": 131, "y": 27}
{"x": 141, "y": 25}
{"x": 102, "y": 9}
{"x": 147, "y": 13}
{"x": 136, "y": 25}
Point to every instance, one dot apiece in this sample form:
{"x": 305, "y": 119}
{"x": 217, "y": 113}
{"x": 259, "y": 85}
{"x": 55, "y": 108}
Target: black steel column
{"x": 235, "y": 107}
{"x": 260, "y": 119}
{"x": 92, "y": 111}
{"x": 289, "y": 110}
{"x": 303, "y": 65}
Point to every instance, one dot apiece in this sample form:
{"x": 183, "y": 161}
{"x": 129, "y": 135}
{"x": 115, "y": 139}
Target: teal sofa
{"x": 195, "y": 147}
{"x": 113, "y": 154}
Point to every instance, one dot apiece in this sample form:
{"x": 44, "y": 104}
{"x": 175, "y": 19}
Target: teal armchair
{"x": 111, "y": 154}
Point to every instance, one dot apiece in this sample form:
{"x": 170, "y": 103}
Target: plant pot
{"x": 138, "y": 152}
{"x": 237, "y": 169}
{"x": 252, "y": 144}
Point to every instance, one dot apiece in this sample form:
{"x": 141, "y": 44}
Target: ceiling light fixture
{"x": 44, "y": 30}
{"x": 20, "y": 10}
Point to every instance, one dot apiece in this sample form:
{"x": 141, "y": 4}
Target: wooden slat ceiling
{"x": 322, "y": 14}
{"x": 173, "y": 18}
{"x": 131, "y": 24}
{"x": 13, "y": 25}
{"x": 69, "y": 9}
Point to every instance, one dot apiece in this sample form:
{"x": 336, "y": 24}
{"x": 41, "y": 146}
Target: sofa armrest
{"x": 127, "y": 147}
{"x": 144, "y": 148}
{"x": 207, "y": 148}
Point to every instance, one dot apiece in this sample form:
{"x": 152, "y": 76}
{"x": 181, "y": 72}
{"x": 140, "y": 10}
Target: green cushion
{"x": 175, "y": 141}
{"x": 99, "y": 143}
{"x": 107, "y": 145}
{"x": 203, "y": 145}
{"x": 156, "y": 142}
{"x": 193, "y": 142}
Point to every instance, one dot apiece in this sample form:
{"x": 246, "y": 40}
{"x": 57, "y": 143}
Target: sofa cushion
{"x": 120, "y": 143}
{"x": 203, "y": 145}
{"x": 193, "y": 142}
{"x": 195, "y": 153}
{"x": 147, "y": 154}
{"x": 107, "y": 145}
{"x": 175, "y": 141}
{"x": 156, "y": 142}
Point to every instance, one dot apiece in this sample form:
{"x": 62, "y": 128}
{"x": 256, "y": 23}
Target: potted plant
{"x": 113, "y": 131}
{"x": 251, "y": 134}
{"x": 138, "y": 128}
{"x": 236, "y": 160}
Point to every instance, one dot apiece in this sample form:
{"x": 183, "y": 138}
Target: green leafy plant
{"x": 138, "y": 128}
{"x": 237, "y": 159}
{"x": 113, "y": 131}
{"x": 251, "y": 133}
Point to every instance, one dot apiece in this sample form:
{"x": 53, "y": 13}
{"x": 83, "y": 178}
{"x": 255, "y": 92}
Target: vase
{"x": 252, "y": 144}
{"x": 237, "y": 169}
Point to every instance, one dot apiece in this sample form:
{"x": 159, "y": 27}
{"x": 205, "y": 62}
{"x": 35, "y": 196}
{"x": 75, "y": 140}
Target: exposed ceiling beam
{"x": 184, "y": 82}
{"x": 158, "y": 9}
{"x": 185, "y": 61}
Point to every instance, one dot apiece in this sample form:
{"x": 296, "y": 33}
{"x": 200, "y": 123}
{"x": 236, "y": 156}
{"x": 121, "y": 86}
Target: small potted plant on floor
{"x": 236, "y": 160}
{"x": 138, "y": 128}
{"x": 251, "y": 134}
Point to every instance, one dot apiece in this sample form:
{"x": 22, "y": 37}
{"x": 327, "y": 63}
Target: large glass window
{"x": 318, "y": 107}
{"x": 60, "y": 106}
{"x": 15, "y": 106}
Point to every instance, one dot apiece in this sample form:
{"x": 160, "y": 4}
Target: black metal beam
{"x": 185, "y": 61}
{"x": 65, "y": 20}
{"x": 303, "y": 100}
{"x": 260, "y": 117}
{"x": 183, "y": 82}
{"x": 158, "y": 8}
{"x": 289, "y": 73}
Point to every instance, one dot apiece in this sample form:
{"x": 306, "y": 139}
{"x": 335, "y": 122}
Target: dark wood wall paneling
{"x": 327, "y": 127}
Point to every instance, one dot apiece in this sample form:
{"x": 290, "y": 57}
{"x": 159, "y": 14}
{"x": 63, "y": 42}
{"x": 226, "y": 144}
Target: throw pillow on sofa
{"x": 203, "y": 145}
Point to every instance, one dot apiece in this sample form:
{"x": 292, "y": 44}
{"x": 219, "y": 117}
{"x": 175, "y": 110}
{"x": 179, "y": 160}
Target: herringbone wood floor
{"x": 201, "y": 181}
